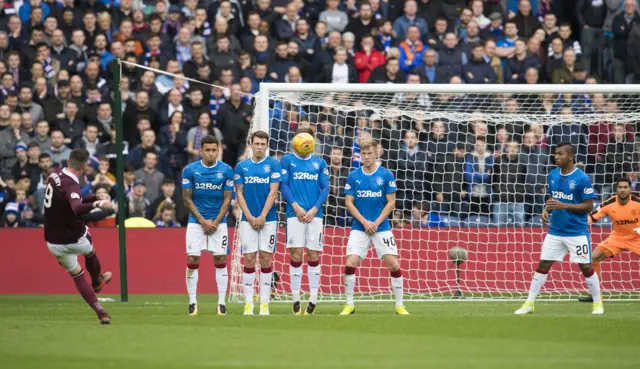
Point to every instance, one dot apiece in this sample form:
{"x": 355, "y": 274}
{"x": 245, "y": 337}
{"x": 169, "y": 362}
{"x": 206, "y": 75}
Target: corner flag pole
{"x": 116, "y": 70}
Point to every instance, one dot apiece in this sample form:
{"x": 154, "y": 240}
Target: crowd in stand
{"x": 57, "y": 60}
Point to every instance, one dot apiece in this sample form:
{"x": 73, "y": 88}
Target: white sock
{"x": 398, "y": 289}
{"x": 247, "y": 283}
{"x": 265, "y": 287}
{"x": 222, "y": 280}
{"x": 296, "y": 281}
{"x": 313, "y": 272}
{"x": 192, "y": 285}
{"x": 593, "y": 283}
{"x": 536, "y": 284}
{"x": 350, "y": 282}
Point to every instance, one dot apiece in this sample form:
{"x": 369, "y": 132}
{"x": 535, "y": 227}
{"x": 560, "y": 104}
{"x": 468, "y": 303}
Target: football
{"x": 303, "y": 143}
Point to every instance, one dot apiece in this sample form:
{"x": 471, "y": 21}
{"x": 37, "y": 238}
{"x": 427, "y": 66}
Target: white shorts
{"x": 307, "y": 235}
{"x": 68, "y": 254}
{"x": 216, "y": 243}
{"x": 263, "y": 240}
{"x": 384, "y": 242}
{"x": 556, "y": 247}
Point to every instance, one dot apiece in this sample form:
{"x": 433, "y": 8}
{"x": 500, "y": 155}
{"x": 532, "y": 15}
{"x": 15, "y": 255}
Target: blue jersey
{"x": 305, "y": 181}
{"x": 370, "y": 194}
{"x": 209, "y": 185}
{"x": 572, "y": 188}
{"x": 257, "y": 178}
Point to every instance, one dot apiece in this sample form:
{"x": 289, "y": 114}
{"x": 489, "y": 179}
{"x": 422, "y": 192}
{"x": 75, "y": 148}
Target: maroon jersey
{"x": 63, "y": 208}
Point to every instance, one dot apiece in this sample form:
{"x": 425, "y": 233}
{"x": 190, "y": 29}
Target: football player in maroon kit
{"x": 67, "y": 235}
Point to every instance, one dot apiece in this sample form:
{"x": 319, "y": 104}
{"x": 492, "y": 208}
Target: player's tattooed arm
{"x": 187, "y": 198}
{"x": 369, "y": 227}
{"x": 584, "y": 207}
{"x": 388, "y": 208}
{"x": 226, "y": 202}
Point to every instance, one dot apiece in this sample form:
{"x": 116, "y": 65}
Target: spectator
{"x": 71, "y": 127}
{"x": 493, "y": 60}
{"x": 26, "y": 105}
{"x": 9, "y": 138}
{"x": 569, "y": 131}
{"x": 537, "y": 160}
{"x": 509, "y": 177}
{"x": 41, "y": 137}
{"x": 368, "y": 58}
{"x": 436, "y": 39}
{"x": 151, "y": 176}
{"x": 234, "y": 119}
{"x": 526, "y": 22}
{"x": 449, "y": 189}
{"x": 466, "y": 16}
{"x": 147, "y": 144}
{"x": 517, "y": 65}
{"x": 619, "y": 154}
{"x": 477, "y": 8}
{"x": 137, "y": 202}
{"x": 195, "y": 135}
{"x": 564, "y": 33}
{"x": 633, "y": 53}
{"x": 401, "y": 25}
{"x": 477, "y": 70}
{"x": 451, "y": 58}
{"x": 622, "y": 25}
{"x": 412, "y": 100}
{"x": 495, "y": 30}
{"x": 103, "y": 177}
{"x": 390, "y": 74}
{"x": 591, "y": 16}
{"x": 506, "y": 45}
{"x": 89, "y": 139}
{"x": 550, "y": 27}
{"x": 472, "y": 38}
{"x": 340, "y": 71}
{"x": 411, "y": 168}
{"x": 385, "y": 40}
{"x": 411, "y": 50}
{"x": 58, "y": 151}
{"x": 564, "y": 74}
{"x": 166, "y": 216}
{"x": 478, "y": 168}
{"x": 285, "y": 27}
{"x": 363, "y": 24}
{"x": 335, "y": 19}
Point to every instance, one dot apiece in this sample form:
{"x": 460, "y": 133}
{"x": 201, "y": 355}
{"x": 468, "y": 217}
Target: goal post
{"x": 470, "y": 193}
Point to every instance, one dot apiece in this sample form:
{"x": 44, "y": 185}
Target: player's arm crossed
{"x": 323, "y": 179}
{"x": 287, "y": 194}
{"x": 274, "y": 187}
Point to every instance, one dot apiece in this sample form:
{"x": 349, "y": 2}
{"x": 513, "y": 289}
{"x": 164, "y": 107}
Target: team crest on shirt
{"x": 572, "y": 185}
{"x": 634, "y": 212}
{"x": 379, "y": 181}
{"x": 316, "y": 165}
{"x": 220, "y": 175}
{"x": 267, "y": 168}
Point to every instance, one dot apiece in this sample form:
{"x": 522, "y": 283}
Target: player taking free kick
{"x": 305, "y": 188}
{"x": 257, "y": 181}
{"x": 624, "y": 211}
{"x": 370, "y": 196}
{"x": 67, "y": 235}
{"x": 207, "y": 189}
{"x": 569, "y": 206}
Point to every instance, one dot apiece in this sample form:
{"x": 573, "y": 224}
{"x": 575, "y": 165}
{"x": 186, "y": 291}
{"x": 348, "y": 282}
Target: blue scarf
{"x": 148, "y": 55}
{"x": 214, "y": 105}
{"x": 386, "y": 41}
{"x": 49, "y": 72}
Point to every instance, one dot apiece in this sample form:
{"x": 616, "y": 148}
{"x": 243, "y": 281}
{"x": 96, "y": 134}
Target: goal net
{"x": 471, "y": 163}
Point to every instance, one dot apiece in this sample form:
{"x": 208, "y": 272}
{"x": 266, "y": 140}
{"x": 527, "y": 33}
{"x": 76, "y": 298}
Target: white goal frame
{"x": 261, "y": 121}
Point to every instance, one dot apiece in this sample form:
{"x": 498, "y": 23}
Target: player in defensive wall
{"x": 257, "y": 182}
{"x": 571, "y": 202}
{"x": 305, "y": 188}
{"x": 207, "y": 189}
{"x": 370, "y": 196}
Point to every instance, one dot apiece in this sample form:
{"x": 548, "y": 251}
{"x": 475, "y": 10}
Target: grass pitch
{"x": 154, "y": 332}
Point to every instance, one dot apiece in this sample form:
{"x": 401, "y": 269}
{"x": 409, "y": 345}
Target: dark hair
{"x": 565, "y": 144}
{"x": 209, "y": 140}
{"x": 259, "y": 134}
{"x": 128, "y": 168}
{"x": 150, "y": 152}
{"x": 168, "y": 180}
{"x": 564, "y": 24}
{"x": 623, "y": 179}
{"x": 78, "y": 159}
{"x": 102, "y": 186}
{"x": 44, "y": 155}
{"x": 305, "y": 130}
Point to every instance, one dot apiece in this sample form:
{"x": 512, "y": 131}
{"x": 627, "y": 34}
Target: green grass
{"x": 154, "y": 332}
